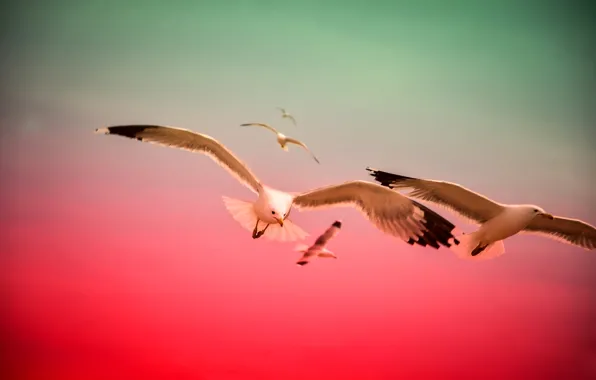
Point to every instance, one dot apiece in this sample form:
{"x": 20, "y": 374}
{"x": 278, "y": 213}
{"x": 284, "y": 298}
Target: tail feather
{"x": 289, "y": 232}
{"x": 327, "y": 254}
{"x": 468, "y": 242}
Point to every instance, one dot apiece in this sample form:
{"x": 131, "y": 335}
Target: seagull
{"x": 386, "y": 209}
{"x": 286, "y": 115}
{"x": 282, "y": 139}
{"x": 497, "y": 221}
{"x": 318, "y": 248}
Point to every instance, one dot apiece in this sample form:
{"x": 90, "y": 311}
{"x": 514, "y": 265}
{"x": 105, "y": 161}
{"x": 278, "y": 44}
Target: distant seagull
{"x": 498, "y": 221}
{"x": 319, "y": 247}
{"x": 388, "y": 210}
{"x": 282, "y": 139}
{"x": 286, "y": 115}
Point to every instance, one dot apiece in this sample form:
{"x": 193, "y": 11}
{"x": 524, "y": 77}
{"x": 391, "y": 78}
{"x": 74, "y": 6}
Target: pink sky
{"x": 116, "y": 270}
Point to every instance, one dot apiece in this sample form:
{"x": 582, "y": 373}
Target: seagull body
{"x": 282, "y": 139}
{"x": 388, "y": 210}
{"x": 286, "y": 115}
{"x": 497, "y": 221}
{"x": 319, "y": 248}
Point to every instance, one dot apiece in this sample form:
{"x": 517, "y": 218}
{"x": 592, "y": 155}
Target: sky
{"x": 118, "y": 259}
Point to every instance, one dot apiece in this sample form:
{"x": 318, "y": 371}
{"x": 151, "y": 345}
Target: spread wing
{"x": 465, "y": 202}
{"x": 328, "y": 235}
{"x": 260, "y": 125}
{"x": 388, "y": 210}
{"x": 303, "y": 145}
{"x": 291, "y": 118}
{"x": 569, "y": 231}
{"x": 191, "y": 141}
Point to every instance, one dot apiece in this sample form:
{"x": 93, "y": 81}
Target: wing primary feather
{"x": 191, "y": 141}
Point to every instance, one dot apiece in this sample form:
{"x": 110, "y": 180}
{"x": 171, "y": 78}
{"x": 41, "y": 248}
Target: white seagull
{"x": 388, "y": 210}
{"x": 282, "y": 139}
{"x": 497, "y": 221}
{"x": 286, "y": 115}
{"x": 319, "y": 248}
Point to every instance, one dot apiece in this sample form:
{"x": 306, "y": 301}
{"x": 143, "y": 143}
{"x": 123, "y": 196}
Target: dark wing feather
{"x": 454, "y": 197}
{"x": 388, "y": 210}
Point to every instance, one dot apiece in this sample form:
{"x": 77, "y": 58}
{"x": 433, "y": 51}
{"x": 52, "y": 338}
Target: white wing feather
{"x": 388, "y": 210}
{"x": 191, "y": 141}
{"x": 564, "y": 230}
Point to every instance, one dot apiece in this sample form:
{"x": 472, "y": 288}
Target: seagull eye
{"x": 273, "y": 212}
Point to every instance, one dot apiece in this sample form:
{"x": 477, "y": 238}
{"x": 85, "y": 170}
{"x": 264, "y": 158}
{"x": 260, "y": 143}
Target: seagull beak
{"x": 548, "y": 216}
{"x": 280, "y": 221}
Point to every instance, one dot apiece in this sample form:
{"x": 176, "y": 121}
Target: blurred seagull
{"x": 319, "y": 247}
{"x": 386, "y": 209}
{"x": 497, "y": 221}
{"x": 286, "y": 115}
{"x": 282, "y": 139}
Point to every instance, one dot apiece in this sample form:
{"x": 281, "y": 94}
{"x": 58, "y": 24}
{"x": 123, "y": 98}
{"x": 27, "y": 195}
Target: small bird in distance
{"x": 282, "y": 139}
{"x": 286, "y": 115}
{"x": 318, "y": 249}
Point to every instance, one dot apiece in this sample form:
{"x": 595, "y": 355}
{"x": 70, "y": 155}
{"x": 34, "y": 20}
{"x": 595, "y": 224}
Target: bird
{"x": 319, "y": 249}
{"x": 386, "y": 209}
{"x": 286, "y": 115}
{"x": 497, "y": 221}
{"x": 282, "y": 139}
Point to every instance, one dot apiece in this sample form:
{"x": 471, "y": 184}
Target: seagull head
{"x": 539, "y": 212}
{"x": 278, "y": 206}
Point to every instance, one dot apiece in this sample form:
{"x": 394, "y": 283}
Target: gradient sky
{"x": 118, "y": 259}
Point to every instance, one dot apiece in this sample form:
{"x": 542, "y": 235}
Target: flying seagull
{"x": 388, "y": 210}
{"x": 319, "y": 247}
{"x": 282, "y": 139}
{"x": 497, "y": 221}
{"x": 286, "y": 115}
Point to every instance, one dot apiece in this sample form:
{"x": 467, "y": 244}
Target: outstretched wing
{"x": 465, "y": 202}
{"x": 303, "y": 145}
{"x": 291, "y": 118}
{"x": 260, "y": 125}
{"x": 191, "y": 141}
{"x": 328, "y": 234}
{"x": 388, "y": 210}
{"x": 569, "y": 231}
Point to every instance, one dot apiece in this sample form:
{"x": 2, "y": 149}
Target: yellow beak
{"x": 548, "y": 216}
{"x": 280, "y": 221}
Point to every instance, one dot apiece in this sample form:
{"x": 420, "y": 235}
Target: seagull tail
{"x": 289, "y": 232}
{"x": 243, "y": 212}
{"x": 468, "y": 242}
{"x": 327, "y": 254}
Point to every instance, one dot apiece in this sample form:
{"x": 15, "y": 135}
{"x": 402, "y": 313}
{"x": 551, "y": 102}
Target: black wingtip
{"x": 130, "y": 131}
{"x": 337, "y": 224}
{"x": 439, "y": 231}
{"x": 386, "y": 178}
{"x": 302, "y": 263}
